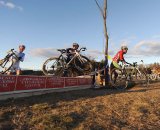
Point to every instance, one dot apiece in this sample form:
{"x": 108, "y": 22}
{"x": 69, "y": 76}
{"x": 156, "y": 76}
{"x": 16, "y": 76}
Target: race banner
{"x": 30, "y": 82}
{"x": 71, "y": 82}
{"x": 14, "y": 83}
{"x": 7, "y": 83}
{"x": 54, "y": 82}
{"x": 84, "y": 81}
{"x": 89, "y": 81}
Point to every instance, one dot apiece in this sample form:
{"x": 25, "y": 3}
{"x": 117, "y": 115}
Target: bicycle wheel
{"x": 83, "y": 64}
{"x": 153, "y": 77}
{"x": 142, "y": 77}
{"x": 5, "y": 65}
{"x": 118, "y": 79}
{"x": 52, "y": 66}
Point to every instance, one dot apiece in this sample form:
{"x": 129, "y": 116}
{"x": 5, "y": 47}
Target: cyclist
{"x": 16, "y": 60}
{"x": 71, "y": 51}
{"x": 119, "y": 57}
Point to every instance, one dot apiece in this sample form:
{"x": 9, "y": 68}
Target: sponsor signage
{"x": 71, "y": 82}
{"x": 7, "y": 83}
{"x": 30, "y": 82}
{"x": 54, "y": 82}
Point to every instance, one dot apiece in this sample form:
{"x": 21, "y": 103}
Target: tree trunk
{"x": 106, "y": 44}
{"x": 104, "y": 15}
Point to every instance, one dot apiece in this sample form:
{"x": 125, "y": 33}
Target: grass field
{"x": 100, "y": 109}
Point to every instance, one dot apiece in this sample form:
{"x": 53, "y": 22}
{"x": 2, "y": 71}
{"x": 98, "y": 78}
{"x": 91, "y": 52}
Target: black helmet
{"x": 75, "y": 44}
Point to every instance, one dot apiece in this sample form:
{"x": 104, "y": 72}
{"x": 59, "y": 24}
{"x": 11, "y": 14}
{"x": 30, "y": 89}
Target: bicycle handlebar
{"x": 83, "y": 49}
{"x": 134, "y": 64}
{"x": 64, "y": 50}
{"x": 61, "y": 50}
{"x": 12, "y": 51}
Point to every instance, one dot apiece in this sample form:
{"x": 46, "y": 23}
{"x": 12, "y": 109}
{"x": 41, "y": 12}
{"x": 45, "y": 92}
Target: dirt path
{"x": 101, "y": 109}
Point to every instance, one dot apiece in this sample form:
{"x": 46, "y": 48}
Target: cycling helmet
{"x": 75, "y": 44}
{"x": 124, "y": 48}
{"x": 22, "y": 46}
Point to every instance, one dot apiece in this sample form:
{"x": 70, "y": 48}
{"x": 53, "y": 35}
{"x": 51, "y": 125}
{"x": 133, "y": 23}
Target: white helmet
{"x": 124, "y": 48}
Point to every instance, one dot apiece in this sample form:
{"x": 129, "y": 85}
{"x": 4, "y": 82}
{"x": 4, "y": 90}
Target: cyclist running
{"x": 20, "y": 58}
{"x": 119, "y": 57}
{"x": 71, "y": 51}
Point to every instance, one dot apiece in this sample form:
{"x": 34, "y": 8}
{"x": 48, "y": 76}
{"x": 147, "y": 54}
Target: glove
{"x": 19, "y": 58}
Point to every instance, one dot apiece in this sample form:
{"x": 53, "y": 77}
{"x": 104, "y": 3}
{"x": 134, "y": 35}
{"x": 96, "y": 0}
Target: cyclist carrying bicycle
{"x": 71, "y": 51}
{"x": 20, "y": 58}
{"x": 119, "y": 57}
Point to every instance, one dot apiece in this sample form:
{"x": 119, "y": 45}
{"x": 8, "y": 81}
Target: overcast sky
{"x": 45, "y": 25}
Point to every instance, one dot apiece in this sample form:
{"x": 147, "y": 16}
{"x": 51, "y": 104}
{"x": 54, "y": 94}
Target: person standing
{"x": 16, "y": 60}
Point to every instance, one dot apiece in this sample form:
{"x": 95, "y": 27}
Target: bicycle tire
{"x": 118, "y": 79}
{"x": 143, "y": 77}
{"x": 4, "y": 67}
{"x": 153, "y": 77}
{"x": 86, "y": 67}
{"x": 54, "y": 66}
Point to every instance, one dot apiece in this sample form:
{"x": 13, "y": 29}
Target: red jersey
{"x": 119, "y": 57}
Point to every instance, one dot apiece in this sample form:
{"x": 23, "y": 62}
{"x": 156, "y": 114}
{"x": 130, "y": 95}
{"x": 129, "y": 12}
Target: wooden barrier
{"x": 22, "y": 86}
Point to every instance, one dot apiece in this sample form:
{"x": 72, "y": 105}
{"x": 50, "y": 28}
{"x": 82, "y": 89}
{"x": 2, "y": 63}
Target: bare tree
{"x": 104, "y": 15}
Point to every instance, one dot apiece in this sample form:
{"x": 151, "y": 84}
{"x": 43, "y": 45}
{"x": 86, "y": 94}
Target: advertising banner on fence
{"x": 7, "y": 83}
{"x": 84, "y": 81}
{"x": 71, "y": 82}
{"x": 89, "y": 81}
{"x": 54, "y": 82}
{"x": 14, "y": 83}
{"x": 30, "y": 82}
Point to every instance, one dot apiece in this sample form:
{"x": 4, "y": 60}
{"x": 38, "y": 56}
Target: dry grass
{"x": 138, "y": 108}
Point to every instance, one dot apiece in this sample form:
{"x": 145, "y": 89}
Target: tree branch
{"x": 100, "y": 9}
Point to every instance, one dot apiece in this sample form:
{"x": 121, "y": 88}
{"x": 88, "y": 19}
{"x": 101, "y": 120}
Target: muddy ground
{"x": 90, "y": 109}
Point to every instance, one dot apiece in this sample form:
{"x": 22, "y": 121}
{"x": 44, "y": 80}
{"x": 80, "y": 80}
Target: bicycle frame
{"x": 135, "y": 70}
{"x": 76, "y": 55}
{"x": 8, "y": 58}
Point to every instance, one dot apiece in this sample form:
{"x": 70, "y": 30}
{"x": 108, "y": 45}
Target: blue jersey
{"x": 20, "y": 55}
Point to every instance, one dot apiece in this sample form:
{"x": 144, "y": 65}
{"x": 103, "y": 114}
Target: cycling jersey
{"x": 69, "y": 53}
{"x": 16, "y": 63}
{"x": 20, "y": 55}
{"x": 70, "y": 50}
{"x": 118, "y": 57}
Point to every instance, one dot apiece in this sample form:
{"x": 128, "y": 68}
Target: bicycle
{"x": 7, "y": 62}
{"x": 58, "y": 66}
{"x": 120, "y": 78}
